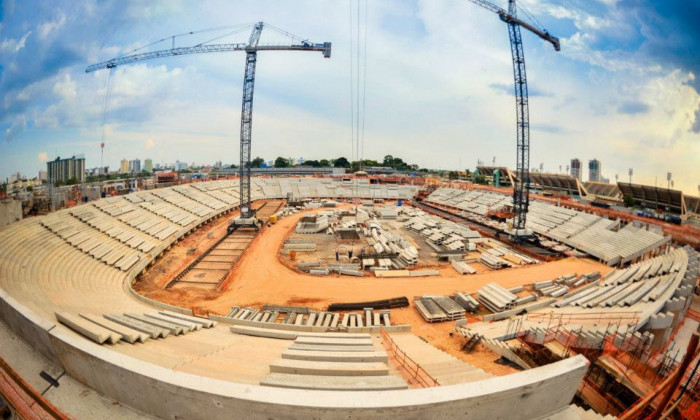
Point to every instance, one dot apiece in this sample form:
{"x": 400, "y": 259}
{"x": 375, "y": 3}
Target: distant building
{"x": 97, "y": 171}
{"x": 134, "y": 166}
{"x": 180, "y": 166}
{"x": 43, "y": 175}
{"x": 576, "y": 169}
{"x": 14, "y": 178}
{"x": 148, "y": 165}
{"x": 66, "y": 169}
{"x": 301, "y": 161}
{"x": 594, "y": 168}
{"x": 124, "y": 166}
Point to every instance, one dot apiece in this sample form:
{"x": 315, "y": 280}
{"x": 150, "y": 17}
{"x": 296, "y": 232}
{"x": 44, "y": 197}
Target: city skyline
{"x": 439, "y": 86}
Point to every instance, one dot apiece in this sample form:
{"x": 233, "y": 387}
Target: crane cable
{"x": 105, "y": 105}
{"x": 364, "y": 90}
{"x": 358, "y": 79}
{"x": 352, "y": 90}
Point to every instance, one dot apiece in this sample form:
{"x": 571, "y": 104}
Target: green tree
{"x": 629, "y": 201}
{"x": 281, "y": 162}
{"x": 324, "y": 163}
{"x": 312, "y": 163}
{"x": 30, "y": 188}
{"x": 255, "y": 163}
{"x": 341, "y": 162}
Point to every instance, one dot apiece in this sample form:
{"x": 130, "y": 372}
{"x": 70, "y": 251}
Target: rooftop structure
{"x": 665, "y": 199}
{"x": 603, "y": 190}
{"x": 566, "y": 184}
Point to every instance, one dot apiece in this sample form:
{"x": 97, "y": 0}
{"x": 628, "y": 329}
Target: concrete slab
{"x": 305, "y": 367}
{"x": 336, "y": 356}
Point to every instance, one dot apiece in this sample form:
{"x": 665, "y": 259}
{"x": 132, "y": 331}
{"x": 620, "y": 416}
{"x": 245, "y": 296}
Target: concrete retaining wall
{"x": 166, "y": 393}
{"x": 26, "y": 324}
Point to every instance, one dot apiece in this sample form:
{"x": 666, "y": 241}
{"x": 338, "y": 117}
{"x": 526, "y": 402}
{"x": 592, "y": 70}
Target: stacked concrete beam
{"x": 496, "y": 298}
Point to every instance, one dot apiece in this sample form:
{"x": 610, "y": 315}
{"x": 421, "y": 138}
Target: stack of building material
{"x": 491, "y": 261}
{"x": 462, "y": 267}
{"x": 448, "y": 306}
{"x": 439, "y": 308}
{"x": 467, "y": 302}
{"x": 555, "y": 290}
{"x": 312, "y": 224}
{"x": 309, "y": 265}
{"x": 429, "y": 310}
{"x": 299, "y": 245}
{"x": 496, "y": 298}
{"x": 387, "y": 212}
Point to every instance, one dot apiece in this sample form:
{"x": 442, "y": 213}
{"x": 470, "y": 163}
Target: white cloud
{"x": 11, "y": 45}
{"x": 45, "y": 29}
{"x": 149, "y": 144}
{"x": 43, "y": 157}
{"x": 18, "y": 125}
{"x": 65, "y": 88}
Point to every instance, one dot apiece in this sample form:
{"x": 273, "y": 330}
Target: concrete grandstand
{"x": 66, "y": 292}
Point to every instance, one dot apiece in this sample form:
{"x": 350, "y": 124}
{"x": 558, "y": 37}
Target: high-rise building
{"x": 576, "y": 169}
{"x": 66, "y": 169}
{"x": 124, "y": 166}
{"x": 135, "y": 166}
{"x": 594, "y": 167}
{"x": 148, "y": 165}
{"x": 43, "y": 175}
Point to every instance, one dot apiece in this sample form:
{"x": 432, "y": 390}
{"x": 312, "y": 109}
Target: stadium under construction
{"x": 308, "y": 294}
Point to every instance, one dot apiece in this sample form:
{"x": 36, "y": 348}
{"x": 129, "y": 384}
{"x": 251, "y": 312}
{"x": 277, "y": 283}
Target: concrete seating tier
{"x": 119, "y": 230}
{"x": 601, "y": 238}
{"x": 92, "y": 242}
{"x": 182, "y": 202}
{"x": 42, "y": 273}
{"x": 200, "y": 197}
{"x": 619, "y": 306}
{"x": 131, "y": 327}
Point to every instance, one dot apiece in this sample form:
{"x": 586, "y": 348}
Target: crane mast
{"x": 521, "y": 195}
{"x": 247, "y": 217}
{"x": 247, "y": 123}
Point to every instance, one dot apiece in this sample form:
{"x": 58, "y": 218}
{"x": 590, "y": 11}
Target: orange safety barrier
{"x": 416, "y": 372}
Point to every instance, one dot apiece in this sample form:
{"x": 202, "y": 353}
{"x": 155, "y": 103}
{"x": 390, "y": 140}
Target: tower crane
{"x": 521, "y": 197}
{"x": 247, "y": 215}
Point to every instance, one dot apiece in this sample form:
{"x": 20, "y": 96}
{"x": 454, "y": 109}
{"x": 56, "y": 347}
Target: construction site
{"x": 323, "y": 296}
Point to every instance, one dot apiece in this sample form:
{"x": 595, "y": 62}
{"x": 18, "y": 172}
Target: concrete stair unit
{"x": 333, "y": 361}
{"x": 446, "y": 369}
{"x": 574, "y": 412}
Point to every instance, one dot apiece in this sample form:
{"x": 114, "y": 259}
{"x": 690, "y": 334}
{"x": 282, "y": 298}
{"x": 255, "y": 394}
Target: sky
{"x": 436, "y": 85}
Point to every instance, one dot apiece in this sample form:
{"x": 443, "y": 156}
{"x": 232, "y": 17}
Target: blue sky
{"x": 624, "y": 88}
